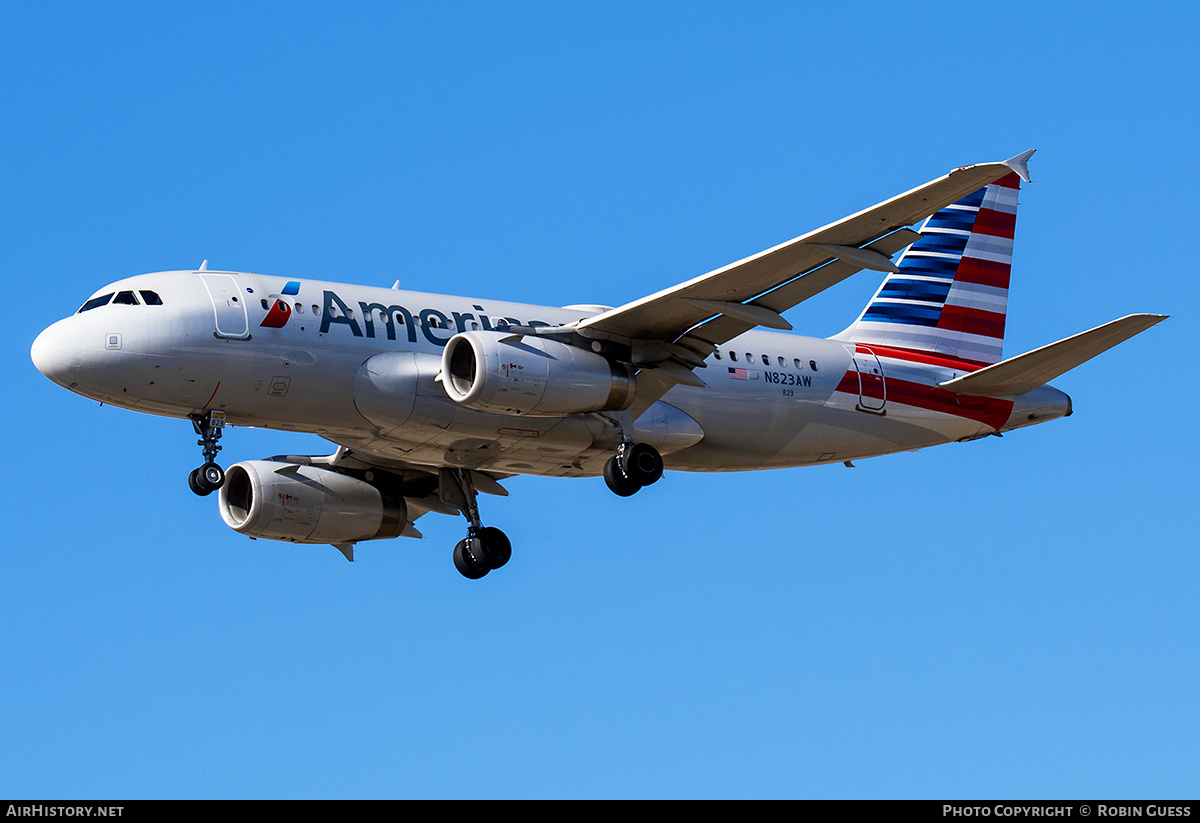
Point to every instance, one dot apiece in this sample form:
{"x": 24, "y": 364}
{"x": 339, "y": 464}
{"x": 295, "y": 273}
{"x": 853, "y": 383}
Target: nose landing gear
{"x": 208, "y": 478}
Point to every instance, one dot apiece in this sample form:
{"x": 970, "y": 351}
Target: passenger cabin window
{"x": 733, "y": 356}
{"x": 717, "y": 355}
{"x": 766, "y": 359}
{"x": 798, "y": 364}
{"x": 749, "y": 357}
{"x": 150, "y": 298}
{"x": 125, "y": 298}
{"x": 96, "y": 302}
{"x": 782, "y": 363}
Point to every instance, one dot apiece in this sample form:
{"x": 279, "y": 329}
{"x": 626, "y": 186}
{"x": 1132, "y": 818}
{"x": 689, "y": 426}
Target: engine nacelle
{"x": 307, "y": 504}
{"x": 499, "y": 372}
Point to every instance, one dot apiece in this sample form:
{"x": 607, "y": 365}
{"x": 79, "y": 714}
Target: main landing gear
{"x": 484, "y": 548}
{"x": 635, "y": 465}
{"x": 208, "y": 478}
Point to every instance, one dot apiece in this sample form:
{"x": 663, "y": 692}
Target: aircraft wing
{"x": 424, "y": 488}
{"x": 753, "y": 291}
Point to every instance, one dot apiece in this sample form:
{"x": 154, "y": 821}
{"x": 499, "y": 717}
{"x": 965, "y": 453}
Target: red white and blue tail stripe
{"x": 950, "y": 295}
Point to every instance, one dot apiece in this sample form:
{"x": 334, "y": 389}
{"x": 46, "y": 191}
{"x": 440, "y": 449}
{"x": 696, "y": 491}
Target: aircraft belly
{"x": 750, "y": 425}
{"x": 285, "y": 388}
{"x": 754, "y": 411}
{"x": 820, "y": 434}
{"x": 553, "y": 446}
{"x": 736, "y": 437}
{"x": 413, "y": 419}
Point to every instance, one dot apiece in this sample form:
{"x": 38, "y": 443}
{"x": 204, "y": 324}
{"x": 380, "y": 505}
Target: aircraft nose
{"x": 57, "y": 353}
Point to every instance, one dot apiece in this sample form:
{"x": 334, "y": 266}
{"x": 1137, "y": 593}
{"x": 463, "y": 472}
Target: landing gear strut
{"x": 635, "y": 464}
{"x": 484, "y": 548}
{"x": 208, "y": 478}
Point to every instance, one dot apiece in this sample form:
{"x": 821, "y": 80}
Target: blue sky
{"x": 1011, "y": 617}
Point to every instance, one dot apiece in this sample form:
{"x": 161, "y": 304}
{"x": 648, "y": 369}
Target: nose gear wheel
{"x": 208, "y": 478}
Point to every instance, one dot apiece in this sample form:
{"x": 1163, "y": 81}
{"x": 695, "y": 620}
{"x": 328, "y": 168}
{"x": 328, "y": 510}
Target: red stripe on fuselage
{"x": 914, "y": 356}
{"x": 987, "y": 410}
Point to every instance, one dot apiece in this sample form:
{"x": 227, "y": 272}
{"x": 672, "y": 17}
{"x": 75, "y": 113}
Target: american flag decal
{"x": 737, "y": 374}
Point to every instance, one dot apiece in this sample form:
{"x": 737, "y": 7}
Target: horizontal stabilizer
{"x": 1026, "y": 372}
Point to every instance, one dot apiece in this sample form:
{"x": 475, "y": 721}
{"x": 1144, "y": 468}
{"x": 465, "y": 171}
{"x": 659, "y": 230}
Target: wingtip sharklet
{"x": 1020, "y": 164}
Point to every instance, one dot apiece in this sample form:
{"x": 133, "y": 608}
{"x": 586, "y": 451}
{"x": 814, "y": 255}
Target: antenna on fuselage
{"x": 203, "y": 266}
{"x": 396, "y": 285}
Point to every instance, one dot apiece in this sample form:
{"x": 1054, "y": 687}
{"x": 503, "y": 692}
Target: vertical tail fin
{"x": 950, "y": 296}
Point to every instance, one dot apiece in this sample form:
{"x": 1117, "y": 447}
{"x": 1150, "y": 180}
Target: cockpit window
{"x": 126, "y": 298}
{"x": 96, "y": 302}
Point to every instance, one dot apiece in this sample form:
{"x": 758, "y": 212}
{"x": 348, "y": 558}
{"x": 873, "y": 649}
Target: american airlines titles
{"x": 336, "y": 312}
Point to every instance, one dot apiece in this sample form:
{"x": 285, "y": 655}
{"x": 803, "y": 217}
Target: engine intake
{"x": 307, "y": 504}
{"x": 500, "y": 372}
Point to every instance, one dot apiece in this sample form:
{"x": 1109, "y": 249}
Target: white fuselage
{"x": 771, "y": 399}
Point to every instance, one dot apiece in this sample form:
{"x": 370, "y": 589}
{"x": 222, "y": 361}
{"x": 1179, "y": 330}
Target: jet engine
{"x": 307, "y": 504}
{"x": 510, "y": 374}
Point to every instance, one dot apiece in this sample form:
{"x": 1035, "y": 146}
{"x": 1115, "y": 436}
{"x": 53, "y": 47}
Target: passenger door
{"x": 229, "y": 306}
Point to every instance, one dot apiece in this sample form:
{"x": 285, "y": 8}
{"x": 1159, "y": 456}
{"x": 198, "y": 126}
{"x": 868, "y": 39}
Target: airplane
{"x": 431, "y": 399}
